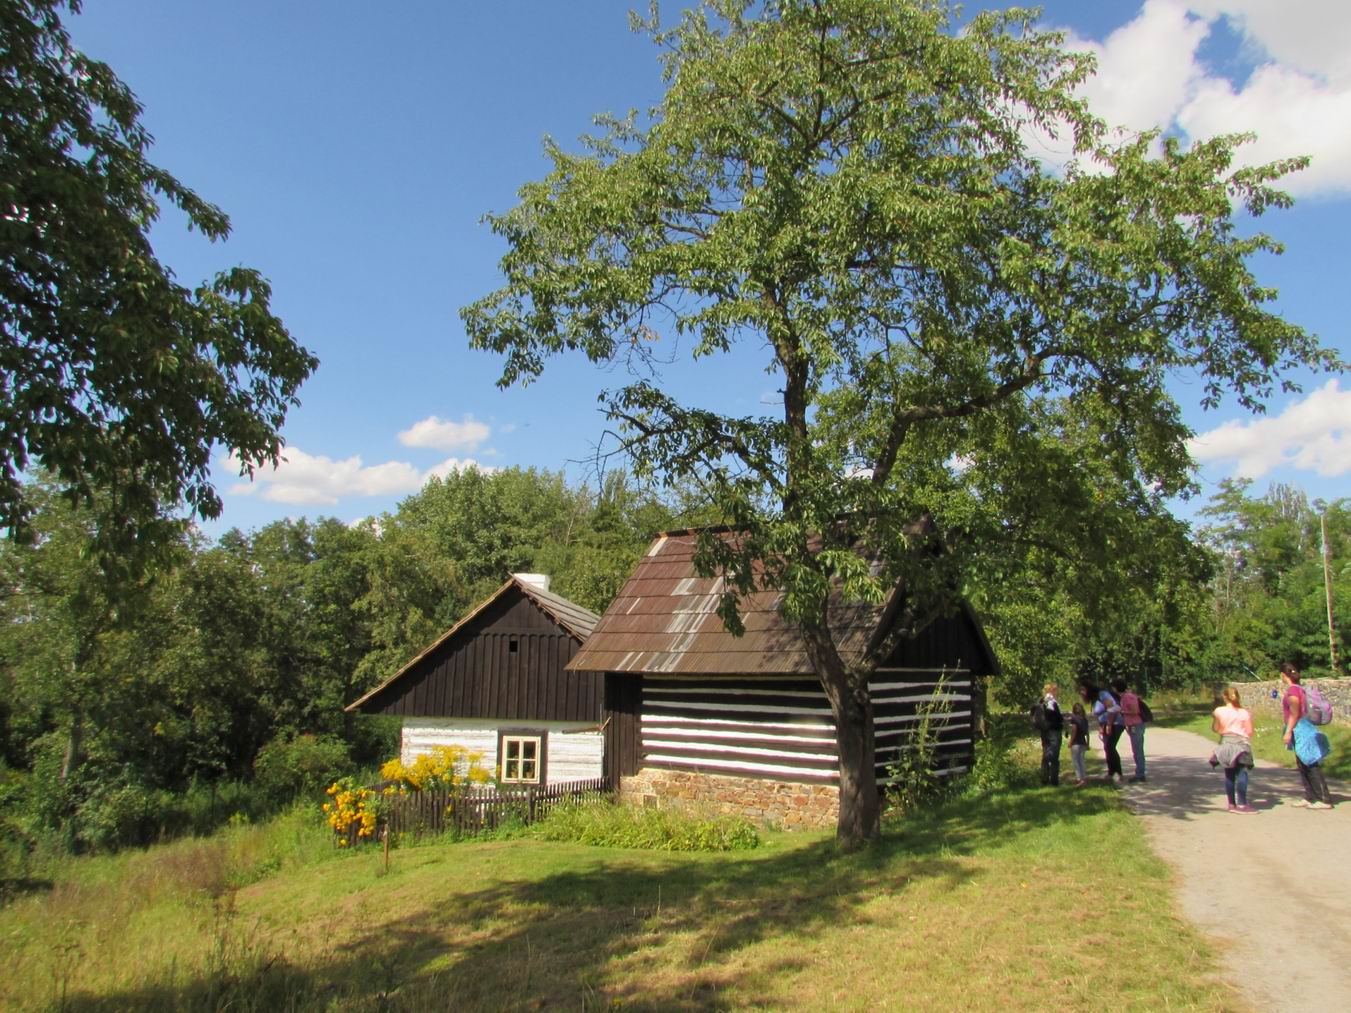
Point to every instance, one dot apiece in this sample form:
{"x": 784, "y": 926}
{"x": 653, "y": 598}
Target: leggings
{"x": 1315, "y": 784}
{"x": 1236, "y": 782}
{"x": 1109, "y": 742}
{"x": 1077, "y": 755}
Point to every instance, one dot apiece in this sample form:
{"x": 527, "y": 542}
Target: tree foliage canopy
{"x": 114, "y": 376}
{"x": 960, "y": 331}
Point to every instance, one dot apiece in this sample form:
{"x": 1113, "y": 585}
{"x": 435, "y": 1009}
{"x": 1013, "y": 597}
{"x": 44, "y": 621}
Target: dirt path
{"x": 1274, "y": 887}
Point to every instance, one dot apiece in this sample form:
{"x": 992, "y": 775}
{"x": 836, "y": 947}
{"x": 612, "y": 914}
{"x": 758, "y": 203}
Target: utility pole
{"x": 1327, "y": 589}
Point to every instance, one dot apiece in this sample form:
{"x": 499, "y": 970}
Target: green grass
{"x": 979, "y": 904}
{"x": 1192, "y": 714}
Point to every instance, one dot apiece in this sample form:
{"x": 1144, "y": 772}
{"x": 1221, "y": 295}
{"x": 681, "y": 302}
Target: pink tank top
{"x": 1234, "y": 721}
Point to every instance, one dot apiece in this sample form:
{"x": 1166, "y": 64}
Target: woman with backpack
{"x": 1309, "y": 746}
{"x": 1133, "y": 718}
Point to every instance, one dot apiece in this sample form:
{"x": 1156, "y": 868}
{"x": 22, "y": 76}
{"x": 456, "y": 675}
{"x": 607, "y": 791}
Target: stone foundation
{"x": 781, "y": 803}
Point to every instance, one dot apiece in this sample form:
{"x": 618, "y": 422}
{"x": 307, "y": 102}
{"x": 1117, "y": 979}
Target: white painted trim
{"x": 724, "y": 734}
{"x": 692, "y": 705}
{"x": 813, "y": 694}
{"x": 921, "y": 697}
{"x": 744, "y": 750}
{"x": 644, "y": 718}
{"x": 766, "y": 768}
{"x": 908, "y": 718}
{"x": 910, "y": 747}
{"x": 912, "y": 685}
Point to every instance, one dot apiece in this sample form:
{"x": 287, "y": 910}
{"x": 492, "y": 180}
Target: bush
{"x": 608, "y": 825}
{"x": 292, "y": 767}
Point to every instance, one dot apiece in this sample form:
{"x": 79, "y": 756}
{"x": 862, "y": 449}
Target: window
{"x": 513, "y": 646}
{"x": 522, "y": 759}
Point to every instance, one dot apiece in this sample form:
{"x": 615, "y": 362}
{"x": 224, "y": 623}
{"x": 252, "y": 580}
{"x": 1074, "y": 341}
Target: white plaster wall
{"x": 576, "y": 752}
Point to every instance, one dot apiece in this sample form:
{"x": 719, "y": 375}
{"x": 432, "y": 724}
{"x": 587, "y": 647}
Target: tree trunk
{"x": 851, "y": 704}
{"x": 860, "y": 808}
{"x": 74, "y": 745}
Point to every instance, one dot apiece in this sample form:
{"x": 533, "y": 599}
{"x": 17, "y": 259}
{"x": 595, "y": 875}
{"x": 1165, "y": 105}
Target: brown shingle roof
{"x": 664, "y": 620}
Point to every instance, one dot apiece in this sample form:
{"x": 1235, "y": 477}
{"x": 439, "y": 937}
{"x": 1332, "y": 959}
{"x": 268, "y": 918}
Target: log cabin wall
{"x": 782, "y": 728}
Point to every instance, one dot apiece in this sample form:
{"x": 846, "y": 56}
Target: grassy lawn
{"x": 1193, "y": 715}
{"x": 987, "y": 904}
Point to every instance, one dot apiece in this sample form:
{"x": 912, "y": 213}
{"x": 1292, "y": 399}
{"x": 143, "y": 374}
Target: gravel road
{"x": 1274, "y": 887}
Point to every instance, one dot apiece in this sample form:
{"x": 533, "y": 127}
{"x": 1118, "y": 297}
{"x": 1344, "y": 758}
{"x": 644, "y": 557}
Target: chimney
{"x": 539, "y": 580}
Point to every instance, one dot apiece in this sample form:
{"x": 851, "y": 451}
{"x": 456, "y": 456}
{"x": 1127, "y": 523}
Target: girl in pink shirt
{"x": 1234, "y": 753}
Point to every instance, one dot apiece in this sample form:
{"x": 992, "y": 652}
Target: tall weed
{"x": 606, "y": 824}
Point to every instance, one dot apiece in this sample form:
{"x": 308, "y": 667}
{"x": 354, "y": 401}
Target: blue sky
{"x": 355, "y": 148}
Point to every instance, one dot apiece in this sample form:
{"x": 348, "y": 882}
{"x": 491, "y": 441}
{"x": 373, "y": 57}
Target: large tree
{"x": 960, "y": 332}
{"x": 113, "y": 376}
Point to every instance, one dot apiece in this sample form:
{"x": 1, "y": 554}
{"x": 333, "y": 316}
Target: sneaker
{"x": 1137, "y": 780}
{"x": 1303, "y": 803}
{"x": 1233, "y": 808}
{"x": 1245, "y": 810}
{"x": 1319, "y": 805}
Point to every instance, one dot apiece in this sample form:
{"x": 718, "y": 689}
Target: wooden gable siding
{"x": 782, "y": 728}
{"x": 477, "y": 675}
{"x": 948, "y": 642}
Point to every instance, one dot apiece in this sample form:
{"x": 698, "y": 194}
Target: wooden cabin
{"x": 496, "y": 683}
{"x": 741, "y": 724}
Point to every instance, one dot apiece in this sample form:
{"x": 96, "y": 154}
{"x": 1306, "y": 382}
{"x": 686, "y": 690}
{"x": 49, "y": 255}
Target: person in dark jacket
{"x": 1051, "y": 732}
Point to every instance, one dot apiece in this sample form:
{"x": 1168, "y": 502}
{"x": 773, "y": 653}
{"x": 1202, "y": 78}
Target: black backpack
{"x": 1038, "y": 716}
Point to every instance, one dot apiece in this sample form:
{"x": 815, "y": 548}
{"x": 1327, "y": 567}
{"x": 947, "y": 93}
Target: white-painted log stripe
{"x": 927, "y": 687}
{"x": 932, "y": 673}
{"x": 777, "y": 771}
{"x": 893, "y": 719}
{"x": 657, "y": 704}
{"x": 908, "y": 747}
{"x": 936, "y": 698}
{"x": 668, "y": 731}
{"x": 684, "y": 719}
{"x": 688, "y": 749}
{"x": 705, "y": 690}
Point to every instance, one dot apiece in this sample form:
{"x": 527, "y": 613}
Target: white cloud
{"x": 1313, "y": 434}
{"x": 1297, "y": 100}
{"x": 1145, "y": 67}
{"x": 1309, "y": 35}
{"x": 442, "y": 434}
{"x": 314, "y": 480}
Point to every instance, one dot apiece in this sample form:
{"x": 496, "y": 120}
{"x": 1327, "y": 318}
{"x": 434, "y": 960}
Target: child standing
{"x": 1078, "y": 742}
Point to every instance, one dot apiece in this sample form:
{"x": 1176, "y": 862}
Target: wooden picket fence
{"x": 471, "y": 811}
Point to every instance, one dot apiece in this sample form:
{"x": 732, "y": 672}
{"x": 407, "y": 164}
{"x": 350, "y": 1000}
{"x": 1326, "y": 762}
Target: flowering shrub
{"x": 351, "y": 807}
{"x": 443, "y": 767}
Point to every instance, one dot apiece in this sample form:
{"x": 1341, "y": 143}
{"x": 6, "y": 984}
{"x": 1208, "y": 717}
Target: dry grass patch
{"x": 979, "y": 905}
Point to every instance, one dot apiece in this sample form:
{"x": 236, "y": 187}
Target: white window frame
{"x": 519, "y": 741}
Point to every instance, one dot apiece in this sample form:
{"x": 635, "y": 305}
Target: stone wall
{"x": 1257, "y": 695}
{"x": 780, "y": 803}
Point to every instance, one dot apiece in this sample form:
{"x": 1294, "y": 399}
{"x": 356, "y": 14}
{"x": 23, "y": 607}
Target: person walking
{"x": 1233, "y": 722}
{"x": 1308, "y": 744}
{"x": 1051, "y": 736}
{"x": 1134, "y": 722}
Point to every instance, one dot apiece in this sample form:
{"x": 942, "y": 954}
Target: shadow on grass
{"x": 12, "y": 888}
{"x": 648, "y": 931}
